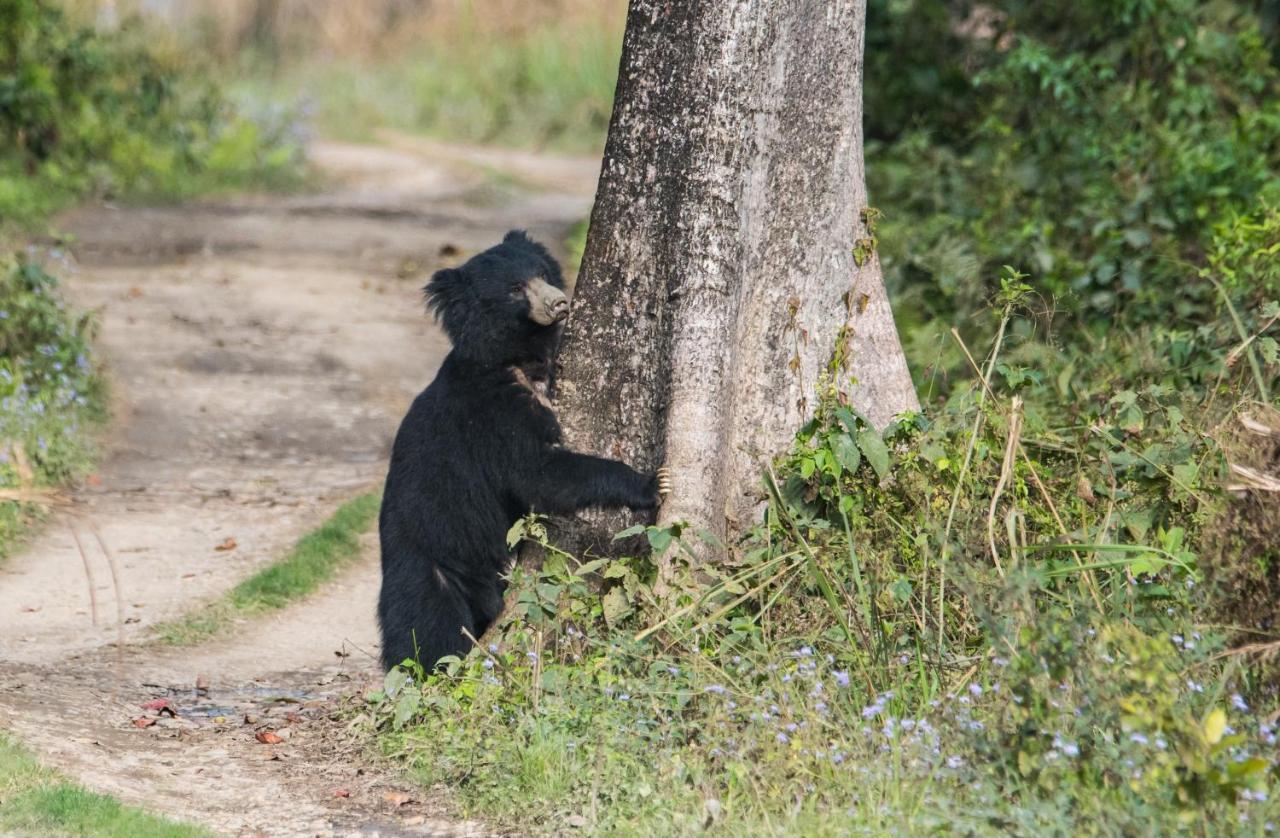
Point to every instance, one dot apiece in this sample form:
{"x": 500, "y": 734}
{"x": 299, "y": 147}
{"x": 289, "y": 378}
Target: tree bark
{"x": 729, "y": 261}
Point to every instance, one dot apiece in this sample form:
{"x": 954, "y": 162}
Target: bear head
{"x": 503, "y": 306}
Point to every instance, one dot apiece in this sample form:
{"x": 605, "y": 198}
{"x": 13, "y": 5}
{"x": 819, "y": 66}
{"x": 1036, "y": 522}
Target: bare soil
{"x": 260, "y": 353}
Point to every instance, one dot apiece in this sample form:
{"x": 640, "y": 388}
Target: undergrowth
{"x": 51, "y": 394}
{"x": 980, "y": 620}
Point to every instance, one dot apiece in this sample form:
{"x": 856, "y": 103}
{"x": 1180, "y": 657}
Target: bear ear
{"x": 516, "y": 236}
{"x": 446, "y": 287}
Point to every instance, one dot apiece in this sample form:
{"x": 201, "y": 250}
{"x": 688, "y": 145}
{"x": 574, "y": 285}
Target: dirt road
{"x": 260, "y": 353}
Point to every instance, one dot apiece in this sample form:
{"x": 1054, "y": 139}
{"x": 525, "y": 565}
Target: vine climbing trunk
{"x": 730, "y": 265}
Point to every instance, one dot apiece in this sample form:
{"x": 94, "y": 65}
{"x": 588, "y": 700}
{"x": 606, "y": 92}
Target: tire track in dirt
{"x": 260, "y": 353}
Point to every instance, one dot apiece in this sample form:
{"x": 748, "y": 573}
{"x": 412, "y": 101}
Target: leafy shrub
{"x": 84, "y": 113}
{"x": 49, "y": 388}
{"x": 980, "y": 620}
{"x": 1104, "y": 142}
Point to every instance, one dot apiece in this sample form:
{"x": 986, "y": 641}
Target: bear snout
{"x": 547, "y": 303}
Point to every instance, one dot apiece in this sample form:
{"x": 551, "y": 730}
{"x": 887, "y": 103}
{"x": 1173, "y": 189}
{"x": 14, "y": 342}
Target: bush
{"x": 111, "y": 114}
{"x": 1104, "y": 143}
{"x": 50, "y": 391}
{"x": 982, "y": 619}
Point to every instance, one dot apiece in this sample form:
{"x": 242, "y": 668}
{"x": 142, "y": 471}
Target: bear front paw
{"x": 664, "y": 482}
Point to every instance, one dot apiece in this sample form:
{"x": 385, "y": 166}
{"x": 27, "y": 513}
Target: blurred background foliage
{"x": 115, "y": 114}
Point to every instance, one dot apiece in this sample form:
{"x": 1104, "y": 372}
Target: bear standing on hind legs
{"x": 478, "y": 450}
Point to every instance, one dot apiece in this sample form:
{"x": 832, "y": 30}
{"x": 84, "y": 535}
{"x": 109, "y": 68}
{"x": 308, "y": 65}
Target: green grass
{"x": 313, "y": 561}
{"x": 37, "y": 801}
{"x": 547, "y": 87}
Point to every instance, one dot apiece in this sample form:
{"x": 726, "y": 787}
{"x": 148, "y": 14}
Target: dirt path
{"x": 260, "y": 353}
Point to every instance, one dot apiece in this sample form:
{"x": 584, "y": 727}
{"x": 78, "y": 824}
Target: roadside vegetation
{"x": 36, "y": 801}
{"x": 1048, "y": 602}
{"x": 88, "y": 113}
{"x": 357, "y": 69}
{"x": 314, "y": 560}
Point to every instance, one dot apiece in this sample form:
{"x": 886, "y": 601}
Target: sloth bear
{"x": 478, "y": 450}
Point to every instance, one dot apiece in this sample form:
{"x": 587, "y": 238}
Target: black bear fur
{"x": 478, "y": 450}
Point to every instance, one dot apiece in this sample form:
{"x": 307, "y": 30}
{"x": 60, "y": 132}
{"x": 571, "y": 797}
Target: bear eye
{"x": 517, "y": 288}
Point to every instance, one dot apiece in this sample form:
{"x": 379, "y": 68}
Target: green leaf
{"x": 592, "y": 566}
{"x": 1269, "y": 350}
{"x": 629, "y": 531}
{"x": 807, "y": 466}
{"x": 846, "y": 451}
{"x": 617, "y": 570}
{"x": 851, "y": 419}
{"x": 394, "y": 680}
{"x": 659, "y": 539}
{"x": 615, "y": 606}
{"x": 516, "y": 534}
{"x": 1215, "y": 724}
{"x": 406, "y": 708}
{"x": 877, "y": 453}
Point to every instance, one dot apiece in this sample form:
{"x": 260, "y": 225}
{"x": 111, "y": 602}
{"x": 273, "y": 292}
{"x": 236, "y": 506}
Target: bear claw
{"x": 664, "y": 482}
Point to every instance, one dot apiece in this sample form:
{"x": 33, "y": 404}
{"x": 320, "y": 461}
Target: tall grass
{"x": 464, "y": 77}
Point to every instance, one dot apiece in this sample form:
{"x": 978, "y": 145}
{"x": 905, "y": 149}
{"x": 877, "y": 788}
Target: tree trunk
{"x": 729, "y": 259}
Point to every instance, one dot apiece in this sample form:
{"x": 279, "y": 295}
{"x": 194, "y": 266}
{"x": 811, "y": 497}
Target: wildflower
{"x": 1238, "y": 703}
{"x": 1139, "y": 738}
{"x": 493, "y": 648}
{"x": 718, "y": 689}
{"x": 791, "y": 727}
{"x": 804, "y": 652}
{"x": 1177, "y": 640}
{"x": 872, "y": 710}
{"x": 955, "y": 761}
{"x": 783, "y": 738}
{"x": 975, "y": 690}
{"x": 1161, "y": 743}
{"x": 1194, "y": 687}
{"x": 673, "y": 670}
{"x": 842, "y": 678}
{"x": 976, "y": 726}
{"x": 488, "y": 663}
{"x": 624, "y": 696}
{"x": 531, "y": 655}
{"x": 821, "y": 707}
{"x": 1000, "y": 662}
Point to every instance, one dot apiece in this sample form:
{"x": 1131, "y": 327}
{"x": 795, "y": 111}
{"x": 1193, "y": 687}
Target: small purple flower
{"x": 842, "y": 678}
{"x": 975, "y": 690}
{"x": 718, "y": 689}
{"x": 1139, "y": 738}
{"x": 783, "y": 738}
{"x": 1238, "y": 702}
